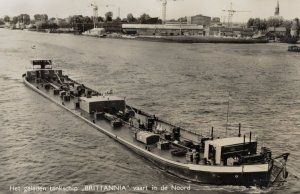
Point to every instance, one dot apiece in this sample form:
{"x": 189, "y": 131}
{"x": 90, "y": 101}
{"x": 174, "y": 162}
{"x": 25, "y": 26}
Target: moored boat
{"x": 95, "y": 32}
{"x": 181, "y": 152}
{"x": 294, "y": 48}
{"x": 290, "y": 40}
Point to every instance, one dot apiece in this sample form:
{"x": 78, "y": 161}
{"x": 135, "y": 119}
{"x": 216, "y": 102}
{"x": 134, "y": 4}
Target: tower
{"x": 277, "y": 9}
{"x": 95, "y": 11}
{"x": 164, "y": 11}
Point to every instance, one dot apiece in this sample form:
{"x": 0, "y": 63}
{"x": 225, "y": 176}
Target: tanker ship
{"x": 181, "y": 152}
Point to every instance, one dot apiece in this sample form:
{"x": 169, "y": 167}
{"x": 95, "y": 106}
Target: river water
{"x": 187, "y": 84}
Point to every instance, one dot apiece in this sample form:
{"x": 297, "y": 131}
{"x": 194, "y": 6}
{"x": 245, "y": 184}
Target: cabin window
{"x": 42, "y": 63}
{"x": 211, "y": 152}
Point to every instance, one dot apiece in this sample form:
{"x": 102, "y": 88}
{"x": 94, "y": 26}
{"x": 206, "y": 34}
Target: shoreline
{"x": 186, "y": 39}
{"x": 201, "y": 39}
{"x": 172, "y": 39}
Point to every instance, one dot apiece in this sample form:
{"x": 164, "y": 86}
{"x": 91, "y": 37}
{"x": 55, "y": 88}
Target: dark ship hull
{"x": 294, "y": 48}
{"x": 247, "y": 174}
{"x": 201, "y": 39}
{"x": 289, "y": 40}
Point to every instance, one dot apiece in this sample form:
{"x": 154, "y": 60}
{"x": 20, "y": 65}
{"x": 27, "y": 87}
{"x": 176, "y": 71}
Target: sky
{"x": 289, "y": 9}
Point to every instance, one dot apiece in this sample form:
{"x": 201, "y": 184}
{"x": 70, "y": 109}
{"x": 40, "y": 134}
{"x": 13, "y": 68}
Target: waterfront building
{"x": 230, "y": 32}
{"x": 277, "y": 31}
{"x": 215, "y": 20}
{"x": 110, "y": 27}
{"x": 163, "y": 29}
{"x": 199, "y": 20}
{"x": 151, "y": 21}
{"x": 215, "y": 30}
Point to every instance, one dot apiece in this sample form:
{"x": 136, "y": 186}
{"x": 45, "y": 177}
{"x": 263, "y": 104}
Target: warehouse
{"x": 199, "y": 20}
{"x": 163, "y": 29}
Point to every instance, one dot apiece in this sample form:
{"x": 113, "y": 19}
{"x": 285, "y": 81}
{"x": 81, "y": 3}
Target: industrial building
{"x": 216, "y": 20}
{"x": 163, "y": 29}
{"x": 230, "y": 32}
{"x": 199, "y": 20}
{"x": 110, "y": 26}
{"x": 277, "y": 31}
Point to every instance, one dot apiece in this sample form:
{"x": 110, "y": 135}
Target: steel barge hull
{"x": 260, "y": 174}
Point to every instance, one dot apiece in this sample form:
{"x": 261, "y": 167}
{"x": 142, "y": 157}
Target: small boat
{"x": 294, "y": 48}
{"x": 95, "y": 32}
{"x": 289, "y": 39}
{"x": 181, "y": 152}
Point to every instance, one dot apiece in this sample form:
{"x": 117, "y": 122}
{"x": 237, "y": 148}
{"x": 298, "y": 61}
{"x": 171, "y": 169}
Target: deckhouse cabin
{"x": 41, "y": 64}
{"x": 111, "y": 104}
{"x": 219, "y": 150}
{"x": 42, "y": 68}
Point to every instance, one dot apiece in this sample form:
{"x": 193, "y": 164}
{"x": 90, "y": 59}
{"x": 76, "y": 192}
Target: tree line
{"x": 264, "y": 24}
{"x": 43, "y": 21}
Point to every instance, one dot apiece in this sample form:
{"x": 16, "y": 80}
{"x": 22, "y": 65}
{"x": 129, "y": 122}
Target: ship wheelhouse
{"x": 229, "y": 151}
{"x": 41, "y": 64}
{"x": 42, "y": 69}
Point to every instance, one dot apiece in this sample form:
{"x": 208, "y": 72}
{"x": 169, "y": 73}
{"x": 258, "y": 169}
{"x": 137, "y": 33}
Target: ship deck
{"x": 125, "y": 132}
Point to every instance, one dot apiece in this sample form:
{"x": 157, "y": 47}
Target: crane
{"x": 95, "y": 14}
{"x": 95, "y": 11}
{"x": 231, "y": 12}
{"x": 164, "y": 10}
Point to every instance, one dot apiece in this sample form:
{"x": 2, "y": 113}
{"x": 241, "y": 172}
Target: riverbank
{"x": 201, "y": 39}
{"x": 172, "y": 39}
{"x": 188, "y": 39}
